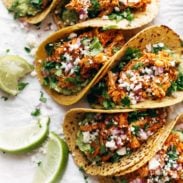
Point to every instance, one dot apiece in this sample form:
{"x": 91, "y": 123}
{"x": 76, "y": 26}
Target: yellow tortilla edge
{"x": 158, "y": 143}
{"x": 70, "y": 127}
{"x": 141, "y": 19}
{"x": 41, "y": 55}
{"x": 38, "y": 17}
{"x": 150, "y": 35}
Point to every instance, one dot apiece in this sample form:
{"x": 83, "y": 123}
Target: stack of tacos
{"x": 121, "y": 144}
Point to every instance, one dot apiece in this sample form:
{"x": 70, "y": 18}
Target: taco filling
{"x": 75, "y": 11}
{"x": 165, "y": 166}
{"x": 73, "y": 62}
{"x": 24, "y": 8}
{"x": 108, "y": 137}
{"x": 151, "y": 74}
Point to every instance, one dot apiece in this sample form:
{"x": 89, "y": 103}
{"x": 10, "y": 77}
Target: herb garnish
{"x": 125, "y": 101}
{"x": 118, "y": 16}
{"x": 36, "y": 112}
{"x": 94, "y": 9}
{"x": 42, "y": 98}
{"x": 137, "y": 65}
{"x": 28, "y": 50}
{"x": 49, "y": 49}
{"x": 4, "y": 98}
{"x": 22, "y": 85}
{"x": 176, "y": 85}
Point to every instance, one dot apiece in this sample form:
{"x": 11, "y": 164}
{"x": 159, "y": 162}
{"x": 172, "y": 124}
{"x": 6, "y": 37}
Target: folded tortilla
{"x": 38, "y": 17}
{"x": 126, "y": 163}
{"x": 41, "y": 55}
{"x": 141, "y": 18}
{"x": 149, "y": 36}
{"x": 157, "y": 146}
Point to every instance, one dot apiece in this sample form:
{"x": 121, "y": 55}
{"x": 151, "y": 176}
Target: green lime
{"x": 24, "y": 139}
{"x": 54, "y": 162}
{"x": 12, "y": 68}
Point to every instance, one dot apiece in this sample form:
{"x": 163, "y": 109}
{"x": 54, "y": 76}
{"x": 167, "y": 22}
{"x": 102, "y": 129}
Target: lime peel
{"x": 24, "y": 139}
{"x": 12, "y": 68}
{"x": 54, "y": 162}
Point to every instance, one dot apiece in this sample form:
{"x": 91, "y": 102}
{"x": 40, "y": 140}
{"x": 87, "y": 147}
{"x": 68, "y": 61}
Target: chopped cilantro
{"x": 36, "y": 3}
{"x": 123, "y": 180}
{"x": 49, "y": 49}
{"x": 137, "y": 65}
{"x": 131, "y": 53}
{"x": 125, "y": 101}
{"x": 118, "y": 16}
{"x": 39, "y": 163}
{"x": 157, "y": 47}
{"x": 103, "y": 150}
{"x": 136, "y": 115}
{"x": 49, "y": 65}
{"x": 91, "y": 150}
{"x": 172, "y": 155}
{"x": 50, "y": 81}
{"x": 4, "y": 98}
{"x": 94, "y": 8}
{"x": 7, "y": 50}
{"x": 108, "y": 104}
{"x": 177, "y": 85}
{"x": 95, "y": 47}
{"x": 42, "y": 98}
{"x": 135, "y": 130}
{"x": 22, "y": 85}
{"x": 36, "y": 112}
{"x": 74, "y": 80}
{"x": 28, "y": 50}
{"x": 115, "y": 158}
{"x": 116, "y": 49}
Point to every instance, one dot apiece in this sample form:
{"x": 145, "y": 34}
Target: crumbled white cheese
{"x": 72, "y": 35}
{"x": 111, "y": 144}
{"x": 31, "y": 40}
{"x": 153, "y": 164}
{"x": 121, "y": 151}
{"x": 86, "y": 137}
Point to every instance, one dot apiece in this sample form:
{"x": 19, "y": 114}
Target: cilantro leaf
{"x": 118, "y": 16}
{"x": 22, "y": 85}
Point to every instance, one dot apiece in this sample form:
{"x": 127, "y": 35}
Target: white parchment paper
{"x": 16, "y": 110}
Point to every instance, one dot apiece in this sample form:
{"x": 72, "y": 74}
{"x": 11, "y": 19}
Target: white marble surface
{"x": 16, "y": 111}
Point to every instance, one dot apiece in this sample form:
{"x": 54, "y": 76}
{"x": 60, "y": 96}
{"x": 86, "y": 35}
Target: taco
{"x": 70, "y": 60}
{"x": 166, "y": 165}
{"x": 124, "y": 14}
{"x": 30, "y": 11}
{"x": 146, "y": 73}
{"x": 109, "y": 142}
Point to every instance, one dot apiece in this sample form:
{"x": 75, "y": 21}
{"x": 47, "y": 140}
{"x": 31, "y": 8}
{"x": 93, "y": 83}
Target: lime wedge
{"x": 12, "y": 68}
{"x": 24, "y": 139}
{"x": 54, "y": 162}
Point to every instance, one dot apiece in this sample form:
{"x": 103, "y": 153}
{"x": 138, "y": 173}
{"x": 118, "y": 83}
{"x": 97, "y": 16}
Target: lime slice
{"x": 54, "y": 162}
{"x": 12, "y": 68}
{"x": 24, "y": 139}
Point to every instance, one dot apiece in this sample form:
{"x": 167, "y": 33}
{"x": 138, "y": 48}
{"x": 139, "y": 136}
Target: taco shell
{"x": 141, "y": 18}
{"x": 126, "y": 163}
{"x": 151, "y": 35}
{"x": 41, "y": 55}
{"x": 156, "y": 147}
{"x": 38, "y": 17}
